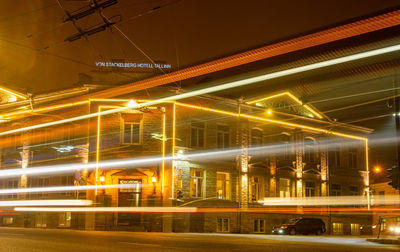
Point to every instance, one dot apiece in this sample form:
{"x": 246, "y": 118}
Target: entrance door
{"x": 129, "y": 197}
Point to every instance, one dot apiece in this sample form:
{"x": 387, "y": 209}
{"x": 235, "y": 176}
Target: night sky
{"x": 35, "y": 58}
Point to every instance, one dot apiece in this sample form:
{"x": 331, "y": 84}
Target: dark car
{"x": 301, "y": 226}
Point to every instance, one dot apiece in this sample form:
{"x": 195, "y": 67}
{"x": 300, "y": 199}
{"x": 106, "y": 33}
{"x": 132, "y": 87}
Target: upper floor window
{"x": 197, "y": 134}
{"x": 336, "y": 190}
{"x": 223, "y": 136}
{"x": 132, "y": 128}
{"x": 353, "y": 159}
{"x": 286, "y": 148}
{"x": 334, "y": 157}
{"x": 354, "y": 190}
{"x": 309, "y": 150}
{"x": 256, "y": 137}
{"x": 12, "y": 184}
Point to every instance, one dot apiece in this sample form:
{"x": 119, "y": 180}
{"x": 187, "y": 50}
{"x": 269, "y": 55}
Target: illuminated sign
{"x": 132, "y": 65}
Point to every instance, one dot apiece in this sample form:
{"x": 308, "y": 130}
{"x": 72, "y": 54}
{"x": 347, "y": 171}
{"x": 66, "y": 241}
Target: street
{"x": 19, "y": 239}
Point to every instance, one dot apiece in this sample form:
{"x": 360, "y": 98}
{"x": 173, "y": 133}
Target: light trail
{"x": 130, "y": 163}
{"x": 13, "y": 203}
{"x": 221, "y": 87}
{"x": 109, "y": 209}
{"x": 330, "y": 201}
{"x": 65, "y": 188}
{"x": 155, "y": 210}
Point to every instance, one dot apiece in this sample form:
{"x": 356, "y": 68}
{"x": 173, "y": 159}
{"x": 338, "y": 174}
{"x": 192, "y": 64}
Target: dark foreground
{"x": 18, "y": 239}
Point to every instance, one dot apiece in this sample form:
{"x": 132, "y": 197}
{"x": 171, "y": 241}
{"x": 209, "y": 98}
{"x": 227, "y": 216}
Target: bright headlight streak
{"x": 228, "y": 85}
{"x": 45, "y": 203}
{"x": 131, "y": 162}
{"x": 109, "y": 209}
{"x": 64, "y": 188}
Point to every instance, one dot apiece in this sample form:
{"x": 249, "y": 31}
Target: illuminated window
{"x": 255, "y": 188}
{"x": 223, "y": 136}
{"x": 12, "y": 184}
{"x": 196, "y": 183}
{"x": 336, "y": 190}
{"x": 337, "y": 228}
{"x": 8, "y": 220}
{"x": 197, "y": 134}
{"x": 223, "y": 186}
{"x": 355, "y": 229}
{"x": 310, "y": 189}
{"x": 284, "y": 188}
{"x": 64, "y": 219}
{"x": 223, "y": 225}
{"x": 259, "y": 226}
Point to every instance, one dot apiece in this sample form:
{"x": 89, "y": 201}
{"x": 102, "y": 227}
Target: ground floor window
{"x": 355, "y": 229}
{"x": 8, "y": 220}
{"x": 64, "y": 219}
{"x": 259, "y": 226}
{"x": 223, "y": 225}
{"x": 284, "y": 188}
{"x": 196, "y": 183}
{"x": 337, "y": 228}
{"x": 223, "y": 185}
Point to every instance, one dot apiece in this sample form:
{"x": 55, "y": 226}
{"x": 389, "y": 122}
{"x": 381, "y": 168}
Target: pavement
{"x": 32, "y": 240}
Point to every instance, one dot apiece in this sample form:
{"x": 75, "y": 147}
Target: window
{"x": 355, "y": 229}
{"x": 334, "y": 157}
{"x": 44, "y": 182}
{"x": 256, "y": 137}
{"x": 285, "y": 150}
{"x": 223, "y": 136}
{"x": 336, "y": 190}
{"x": 353, "y": 159}
{"x": 309, "y": 150}
{"x": 255, "y": 189}
{"x": 131, "y": 128}
{"x": 8, "y": 220}
{"x": 131, "y": 133}
{"x": 354, "y": 191}
{"x": 310, "y": 189}
{"x": 223, "y": 186}
{"x": 197, "y": 134}
{"x": 12, "y": 184}
{"x": 196, "y": 183}
{"x": 284, "y": 188}
{"x": 67, "y": 181}
{"x": 259, "y": 226}
{"x": 64, "y": 219}
{"x": 223, "y": 225}
{"x": 337, "y": 228}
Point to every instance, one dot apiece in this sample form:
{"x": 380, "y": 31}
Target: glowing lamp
{"x": 153, "y": 179}
{"x": 102, "y": 178}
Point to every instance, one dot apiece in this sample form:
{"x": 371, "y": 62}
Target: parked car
{"x": 301, "y": 226}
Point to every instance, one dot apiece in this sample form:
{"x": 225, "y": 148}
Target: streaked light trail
{"x": 221, "y": 87}
{"x": 45, "y": 203}
{"x": 109, "y": 209}
{"x": 65, "y": 188}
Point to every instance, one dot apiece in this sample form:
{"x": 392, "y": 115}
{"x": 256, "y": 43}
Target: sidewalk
{"x": 386, "y": 240}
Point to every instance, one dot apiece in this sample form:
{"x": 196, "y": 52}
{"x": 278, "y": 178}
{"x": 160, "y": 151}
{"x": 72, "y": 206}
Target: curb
{"x": 384, "y": 241}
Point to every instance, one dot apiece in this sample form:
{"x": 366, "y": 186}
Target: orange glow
{"x": 294, "y": 98}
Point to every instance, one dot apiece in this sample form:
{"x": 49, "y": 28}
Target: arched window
{"x": 285, "y": 143}
{"x": 256, "y": 137}
{"x": 309, "y": 150}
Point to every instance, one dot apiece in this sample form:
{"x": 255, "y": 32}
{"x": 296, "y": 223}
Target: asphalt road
{"x": 19, "y": 239}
